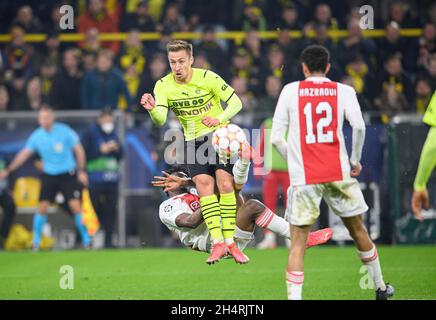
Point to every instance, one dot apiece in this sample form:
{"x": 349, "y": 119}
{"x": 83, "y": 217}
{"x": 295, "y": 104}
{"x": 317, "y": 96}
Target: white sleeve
{"x": 281, "y": 122}
{"x": 354, "y": 116}
{"x": 169, "y": 210}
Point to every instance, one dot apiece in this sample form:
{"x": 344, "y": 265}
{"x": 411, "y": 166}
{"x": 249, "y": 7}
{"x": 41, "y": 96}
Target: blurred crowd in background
{"x": 391, "y": 74}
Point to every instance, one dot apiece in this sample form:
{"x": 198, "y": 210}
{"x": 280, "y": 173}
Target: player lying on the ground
{"x": 182, "y": 214}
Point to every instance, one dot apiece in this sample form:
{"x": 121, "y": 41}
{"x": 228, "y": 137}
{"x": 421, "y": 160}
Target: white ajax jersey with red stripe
{"x": 313, "y": 111}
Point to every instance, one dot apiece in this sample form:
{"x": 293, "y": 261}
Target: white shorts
{"x": 343, "y": 197}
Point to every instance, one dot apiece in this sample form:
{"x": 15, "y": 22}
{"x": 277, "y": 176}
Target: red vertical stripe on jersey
{"x": 321, "y": 160}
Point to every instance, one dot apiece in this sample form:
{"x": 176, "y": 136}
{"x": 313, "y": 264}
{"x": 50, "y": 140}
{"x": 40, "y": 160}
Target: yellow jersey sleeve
{"x": 430, "y": 114}
{"x": 226, "y": 93}
{"x": 159, "y": 113}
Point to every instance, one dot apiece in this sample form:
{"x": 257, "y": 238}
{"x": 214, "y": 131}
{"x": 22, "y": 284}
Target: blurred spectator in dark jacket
{"x": 354, "y": 45}
{"x": 103, "y": 155}
{"x": 393, "y": 74}
{"x": 47, "y": 75}
{"x": 323, "y": 16}
{"x": 275, "y": 66}
{"x": 102, "y": 87}
{"x": 430, "y": 70}
{"x": 360, "y": 74}
{"x": 267, "y": 103}
{"x": 17, "y": 91}
{"x": 53, "y": 24}
{"x": 288, "y": 46}
{"x": 132, "y": 53}
{"x": 201, "y": 61}
{"x": 254, "y": 46}
{"x": 65, "y": 94}
{"x": 427, "y": 43}
{"x": 210, "y": 46}
{"x": 96, "y": 16}
{"x": 399, "y": 11}
{"x": 4, "y": 98}
{"x": 393, "y": 43}
{"x": 289, "y": 19}
{"x": 244, "y": 67}
{"x": 173, "y": 20}
{"x": 17, "y": 56}
{"x": 392, "y": 102}
{"x": 253, "y": 19}
{"x": 140, "y": 19}
{"x": 89, "y": 61}
{"x": 92, "y": 43}
{"x": 26, "y": 20}
{"x": 245, "y": 117}
{"x": 157, "y": 69}
{"x": 423, "y": 94}
{"x": 34, "y": 94}
{"x": 365, "y": 104}
{"x": 132, "y": 61}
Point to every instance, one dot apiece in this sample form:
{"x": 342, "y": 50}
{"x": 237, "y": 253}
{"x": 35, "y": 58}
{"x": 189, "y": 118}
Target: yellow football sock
{"x": 228, "y": 215}
{"x": 210, "y": 209}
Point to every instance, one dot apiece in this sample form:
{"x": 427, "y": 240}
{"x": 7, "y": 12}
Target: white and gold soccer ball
{"x": 228, "y": 139}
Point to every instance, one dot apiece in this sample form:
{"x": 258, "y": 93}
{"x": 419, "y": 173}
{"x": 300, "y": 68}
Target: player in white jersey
{"x": 181, "y": 213}
{"x": 313, "y": 112}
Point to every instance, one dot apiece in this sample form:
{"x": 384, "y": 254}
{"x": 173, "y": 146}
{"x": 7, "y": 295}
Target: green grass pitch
{"x": 331, "y": 273}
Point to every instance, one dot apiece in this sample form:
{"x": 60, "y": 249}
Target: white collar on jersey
{"x": 323, "y": 79}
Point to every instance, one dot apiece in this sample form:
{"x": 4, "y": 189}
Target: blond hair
{"x": 179, "y": 45}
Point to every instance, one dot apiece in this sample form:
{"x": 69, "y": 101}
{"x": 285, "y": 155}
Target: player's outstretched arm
{"x": 157, "y": 108}
{"x": 190, "y": 221}
{"x": 19, "y": 159}
{"x": 427, "y": 163}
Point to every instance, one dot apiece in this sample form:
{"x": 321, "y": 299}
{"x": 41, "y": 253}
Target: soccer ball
{"x": 228, "y": 139}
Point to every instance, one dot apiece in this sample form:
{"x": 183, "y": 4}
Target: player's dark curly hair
{"x": 316, "y": 58}
{"x": 178, "y": 168}
{"x": 181, "y": 172}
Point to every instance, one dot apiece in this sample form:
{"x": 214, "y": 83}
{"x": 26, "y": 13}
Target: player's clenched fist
{"x": 147, "y": 101}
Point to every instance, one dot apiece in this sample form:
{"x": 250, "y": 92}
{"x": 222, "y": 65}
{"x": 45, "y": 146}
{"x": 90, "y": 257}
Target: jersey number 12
{"x": 321, "y": 136}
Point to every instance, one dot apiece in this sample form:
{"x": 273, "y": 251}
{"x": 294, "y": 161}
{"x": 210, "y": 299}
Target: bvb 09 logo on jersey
{"x": 187, "y": 103}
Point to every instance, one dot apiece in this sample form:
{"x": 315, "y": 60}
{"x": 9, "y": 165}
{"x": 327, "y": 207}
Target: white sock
{"x": 240, "y": 171}
{"x": 229, "y": 241}
{"x": 273, "y": 222}
{"x": 294, "y": 284}
{"x": 371, "y": 260}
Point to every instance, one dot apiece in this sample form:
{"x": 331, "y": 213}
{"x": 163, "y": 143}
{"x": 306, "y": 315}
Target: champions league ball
{"x": 227, "y": 140}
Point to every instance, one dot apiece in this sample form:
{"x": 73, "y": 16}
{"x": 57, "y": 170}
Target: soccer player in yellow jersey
{"x": 195, "y": 96}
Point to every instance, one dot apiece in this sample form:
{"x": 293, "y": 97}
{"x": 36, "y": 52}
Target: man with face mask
{"x": 103, "y": 153}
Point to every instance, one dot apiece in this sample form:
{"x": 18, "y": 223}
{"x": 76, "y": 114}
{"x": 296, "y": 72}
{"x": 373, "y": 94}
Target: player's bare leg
{"x": 228, "y": 213}
{"x": 210, "y": 209}
{"x": 295, "y": 268}
{"x": 367, "y": 252}
{"x": 254, "y": 213}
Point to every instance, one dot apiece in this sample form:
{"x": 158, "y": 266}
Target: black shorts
{"x": 66, "y": 184}
{"x": 201, "y": 158}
